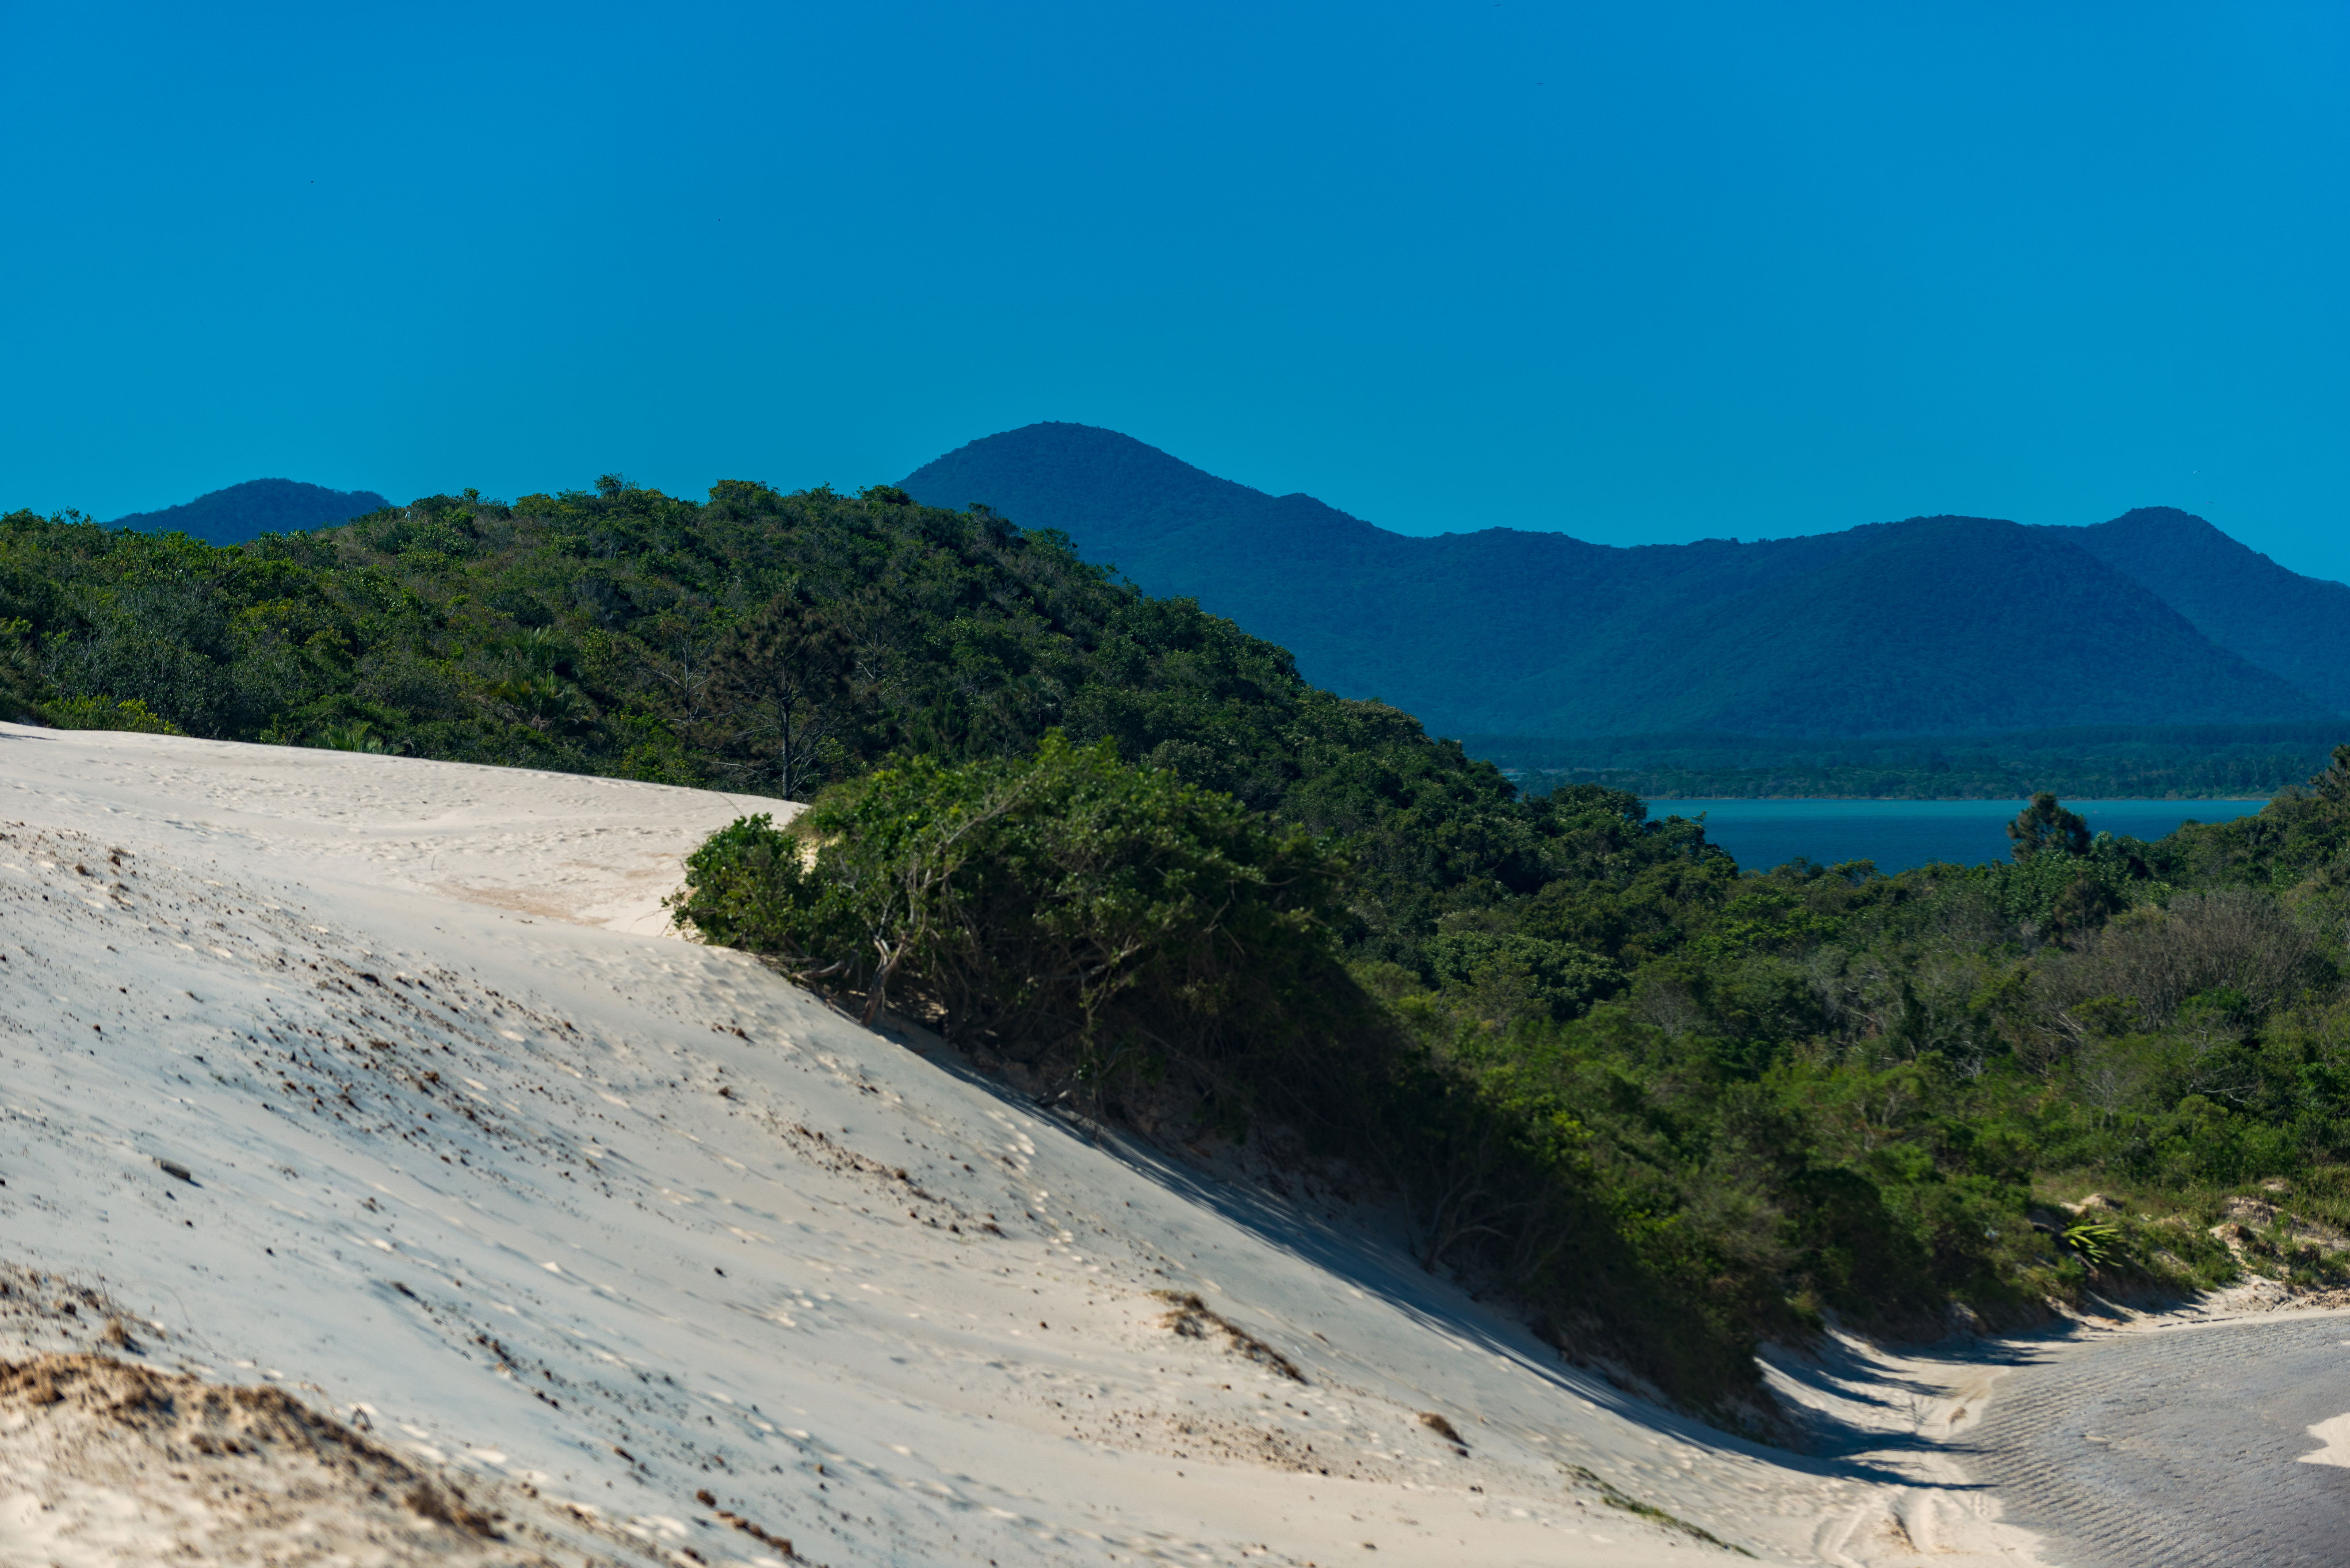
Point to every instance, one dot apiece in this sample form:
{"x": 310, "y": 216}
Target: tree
{"x": 533, "y": 691}
{"x": 679, "y": 653}
{"x": 1066, "y": 910}
{"x": 2333, "y": 785}
{"x": 2044, "y": 824}
{"x": 781, "y": 682}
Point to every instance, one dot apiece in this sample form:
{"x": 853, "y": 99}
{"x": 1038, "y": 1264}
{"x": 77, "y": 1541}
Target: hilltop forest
{"x": 1670, "y": 1106}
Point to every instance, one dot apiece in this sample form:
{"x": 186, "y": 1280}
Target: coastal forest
{"x": 2102, "y": 763}
{"x": 1120, "y": 852}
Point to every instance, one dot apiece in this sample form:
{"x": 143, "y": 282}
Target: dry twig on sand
{"x": 1192, "y": 1318}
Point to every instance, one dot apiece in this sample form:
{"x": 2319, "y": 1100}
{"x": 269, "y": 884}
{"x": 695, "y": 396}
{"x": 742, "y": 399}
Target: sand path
{"x": 2187, "y": 1445}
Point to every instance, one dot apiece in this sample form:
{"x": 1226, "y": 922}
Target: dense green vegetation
{"x": 2196, "y": 762}
{"x": 1113, "y": 922}
{"x": 2214, "y": 778}
{"x": 1121, "y": 851}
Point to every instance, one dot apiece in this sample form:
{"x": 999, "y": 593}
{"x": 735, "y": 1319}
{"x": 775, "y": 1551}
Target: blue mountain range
{"x": 1932, "y": 625}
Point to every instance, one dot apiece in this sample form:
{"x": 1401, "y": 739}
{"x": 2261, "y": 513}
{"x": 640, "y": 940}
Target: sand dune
{"x": 375, "y": 1082}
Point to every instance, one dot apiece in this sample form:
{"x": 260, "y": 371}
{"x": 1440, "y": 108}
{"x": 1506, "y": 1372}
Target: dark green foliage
{"x": 2053, "y": 892}
{"x": 2044, "y": 827}
{"x": 783, "y": 677}
{"x": 1513, "y": 968}
{"x": 2104, "y": 762}
{"x": 1669, "y": 1105}
{"x": 622, "y": 631}
{"x": 1065, "y": 910}
{"x": 2332, "y": 787}
{"x": 1166, "y": 955}
{"x": 98, "y": 713}
{"x": 753, "y": 642}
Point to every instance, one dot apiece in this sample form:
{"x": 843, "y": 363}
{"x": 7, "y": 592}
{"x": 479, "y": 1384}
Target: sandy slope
{"x": 582, "y": 1222}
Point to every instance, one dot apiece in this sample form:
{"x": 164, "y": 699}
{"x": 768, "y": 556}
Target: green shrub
{"x": 1126, "y": 933}
{"x": 1671, "y": 1104}
{"x": 104, "y": 714}
{"x": 1065, "y": 910}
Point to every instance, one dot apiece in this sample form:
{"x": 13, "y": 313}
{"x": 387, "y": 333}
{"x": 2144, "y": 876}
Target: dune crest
{"x": 367, "y": 1082}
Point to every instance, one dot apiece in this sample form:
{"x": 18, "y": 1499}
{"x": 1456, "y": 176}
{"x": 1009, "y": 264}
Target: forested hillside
{"x": 258, "y": 506}
{"x": 1669, "y": 1105}
{"x": 1905, "y": 629}
{"x": 2297, "y": 627}
{"x": 627, "y": 632}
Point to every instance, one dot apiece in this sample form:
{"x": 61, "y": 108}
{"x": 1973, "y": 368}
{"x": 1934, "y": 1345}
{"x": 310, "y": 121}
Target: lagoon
{"x": 1900, "y": 834}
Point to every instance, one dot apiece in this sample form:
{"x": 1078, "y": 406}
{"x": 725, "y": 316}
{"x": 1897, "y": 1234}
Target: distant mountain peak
{"x": 1112, "y": 494}
{"x": 1932, "y": 624}
{"x": 246, "y": 511}
{"x": 2297, "y": 625}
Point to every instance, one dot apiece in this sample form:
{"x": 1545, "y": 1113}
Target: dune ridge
{"x": 377, "y": 1082}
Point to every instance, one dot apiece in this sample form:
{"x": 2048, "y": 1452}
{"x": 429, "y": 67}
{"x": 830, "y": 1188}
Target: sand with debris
{"x": 360, "y": 1118}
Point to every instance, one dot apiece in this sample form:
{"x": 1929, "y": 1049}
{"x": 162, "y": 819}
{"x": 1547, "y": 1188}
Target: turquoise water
{"x": 1900, "y": 834}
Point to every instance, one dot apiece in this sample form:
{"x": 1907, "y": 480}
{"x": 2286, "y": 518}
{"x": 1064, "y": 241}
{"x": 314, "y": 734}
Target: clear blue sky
{"x": 1640, "y": 271}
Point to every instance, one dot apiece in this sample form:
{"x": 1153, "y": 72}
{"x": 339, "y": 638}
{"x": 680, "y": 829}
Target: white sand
{"x": 558, "y": 1203}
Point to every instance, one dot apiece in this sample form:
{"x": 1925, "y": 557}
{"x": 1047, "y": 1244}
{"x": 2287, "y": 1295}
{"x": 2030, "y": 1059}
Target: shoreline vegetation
{"x": 1733, "y": 789}
{"x": 1670, "y": 1106}
{"x": 2207, "y": 762}
{"x": 1718, "y": 787}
